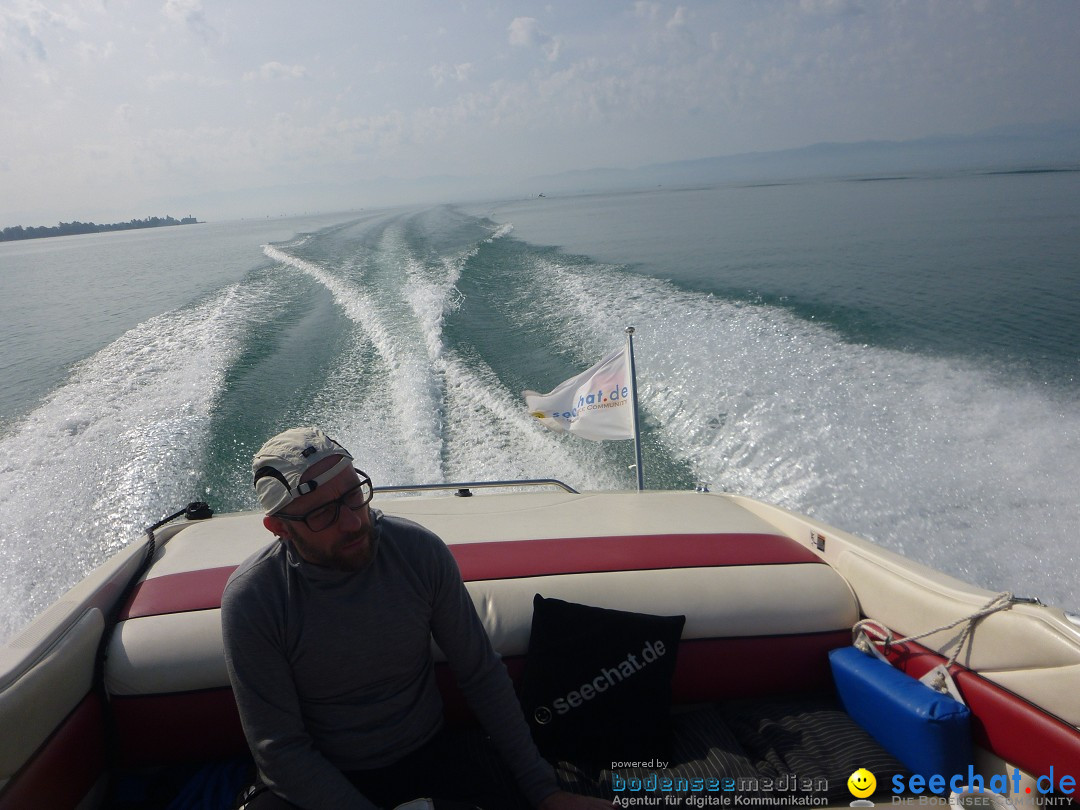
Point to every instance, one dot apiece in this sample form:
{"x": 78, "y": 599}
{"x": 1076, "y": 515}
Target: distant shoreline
{"x": 18, "y": 232}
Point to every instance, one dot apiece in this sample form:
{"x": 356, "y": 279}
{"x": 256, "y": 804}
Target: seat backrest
{"x": 762, "y": 613}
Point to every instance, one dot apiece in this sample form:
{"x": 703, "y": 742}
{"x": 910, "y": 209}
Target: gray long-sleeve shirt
{"x": 333, "y": 670}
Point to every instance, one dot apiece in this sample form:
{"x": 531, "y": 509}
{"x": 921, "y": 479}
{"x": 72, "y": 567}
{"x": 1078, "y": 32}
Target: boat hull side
{"x": 59, "y": 721}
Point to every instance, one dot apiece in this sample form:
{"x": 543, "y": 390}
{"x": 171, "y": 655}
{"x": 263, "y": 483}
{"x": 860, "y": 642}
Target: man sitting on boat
{"x": 327, "y": 637}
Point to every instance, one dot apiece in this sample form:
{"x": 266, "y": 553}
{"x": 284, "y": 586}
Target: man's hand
{"x": 562, "y": 800}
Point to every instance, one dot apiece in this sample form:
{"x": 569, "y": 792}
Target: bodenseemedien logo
{"x": 862, "y": 783}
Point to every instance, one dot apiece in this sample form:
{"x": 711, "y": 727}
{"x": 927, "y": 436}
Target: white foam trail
{"x": 503, "y": 230}
{"x": 111, "y": 451}
{"x": 471, "y": 404}
{"x": 415, "y": 408}
{"x": 488, "y": 434}
{"x": 938, "y": 459}
{"x": 356, "y": 414}
{"x": 431, "y": 291}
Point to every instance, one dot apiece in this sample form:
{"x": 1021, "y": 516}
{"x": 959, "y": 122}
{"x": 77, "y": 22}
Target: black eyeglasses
{"x": 323, "y": 517}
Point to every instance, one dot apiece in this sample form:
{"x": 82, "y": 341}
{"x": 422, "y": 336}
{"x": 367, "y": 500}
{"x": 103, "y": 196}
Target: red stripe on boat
{"x": 1001, "y": 721}
{"x": 178, "y": 593}
{"x": 65, "y": 769}
{"x": 509, "y": 559}
{"x": 201, "y": 590}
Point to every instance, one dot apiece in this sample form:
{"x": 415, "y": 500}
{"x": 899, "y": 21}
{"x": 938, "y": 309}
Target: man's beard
{"x": 342, "y": 556}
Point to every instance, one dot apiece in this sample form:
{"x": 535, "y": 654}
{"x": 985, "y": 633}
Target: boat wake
{"x": 410, "y": 335}
{"x": 955, "y": 465}
{"x": 112, "y": 450}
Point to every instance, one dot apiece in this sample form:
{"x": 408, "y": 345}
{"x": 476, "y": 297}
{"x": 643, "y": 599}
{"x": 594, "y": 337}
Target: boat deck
{"x": 766, "y": 594}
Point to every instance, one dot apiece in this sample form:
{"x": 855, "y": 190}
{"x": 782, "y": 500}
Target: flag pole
{"x": 633, "y": 398}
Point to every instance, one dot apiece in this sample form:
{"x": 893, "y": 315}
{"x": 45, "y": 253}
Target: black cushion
{"x": 597, "y": 683}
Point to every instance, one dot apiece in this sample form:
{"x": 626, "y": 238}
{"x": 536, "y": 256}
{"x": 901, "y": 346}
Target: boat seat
{"x": 761, "y": 614}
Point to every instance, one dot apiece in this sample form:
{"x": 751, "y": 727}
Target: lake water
{"x": 900, "y": 358}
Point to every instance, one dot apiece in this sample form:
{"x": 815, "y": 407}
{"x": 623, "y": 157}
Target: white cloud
{"x": 678, "y": 19}
{"x": 370, "y": 88}
{"x": 831, "y": 7}
{"x": 182, "y": 11}
{"x": 168, "y": 77}
{"x": 648, "y": 10}
{"x": 190, "y": 14}
{"x": 272, "y": 71}
{"x": 526, "y": 32}
{"x": 95, "y": 53}
{"x": 122, "y": 114}
{"x": 25, "y": 26}
{"x": 443, "y": 72}
{"x": 663, "y": 29}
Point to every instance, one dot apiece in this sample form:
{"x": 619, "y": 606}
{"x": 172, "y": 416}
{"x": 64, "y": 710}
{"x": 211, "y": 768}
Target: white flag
{"x": 596, "y": 404}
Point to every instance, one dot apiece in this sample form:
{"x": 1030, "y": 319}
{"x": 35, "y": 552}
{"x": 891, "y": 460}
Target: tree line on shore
{"x": 68, "y": 228}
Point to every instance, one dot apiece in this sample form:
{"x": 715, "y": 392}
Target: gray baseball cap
{"x": 282, "y": 461}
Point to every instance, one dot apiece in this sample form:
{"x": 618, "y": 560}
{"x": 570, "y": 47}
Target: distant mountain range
{"x": 1018, "y": 148}
{"x": 1050, "y": 146}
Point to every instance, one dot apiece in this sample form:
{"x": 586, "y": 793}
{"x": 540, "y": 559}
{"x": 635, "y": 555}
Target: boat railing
{"x": 464, "y": 488}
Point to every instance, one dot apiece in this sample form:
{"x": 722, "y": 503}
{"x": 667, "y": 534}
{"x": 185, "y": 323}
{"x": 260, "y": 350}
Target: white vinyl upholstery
{"x": 180, "y": 652}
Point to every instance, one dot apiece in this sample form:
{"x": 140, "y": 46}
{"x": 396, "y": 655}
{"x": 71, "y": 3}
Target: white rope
{"x": 861, "y": 638}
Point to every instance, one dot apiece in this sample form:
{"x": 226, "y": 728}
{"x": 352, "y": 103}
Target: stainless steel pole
{"x": 633, "y": 397}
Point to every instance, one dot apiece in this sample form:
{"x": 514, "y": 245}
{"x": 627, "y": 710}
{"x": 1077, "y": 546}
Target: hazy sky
{"x": 110, "y": 108}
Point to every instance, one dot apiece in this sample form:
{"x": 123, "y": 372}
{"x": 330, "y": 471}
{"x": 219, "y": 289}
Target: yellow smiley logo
{"x": 861, "y": 783}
